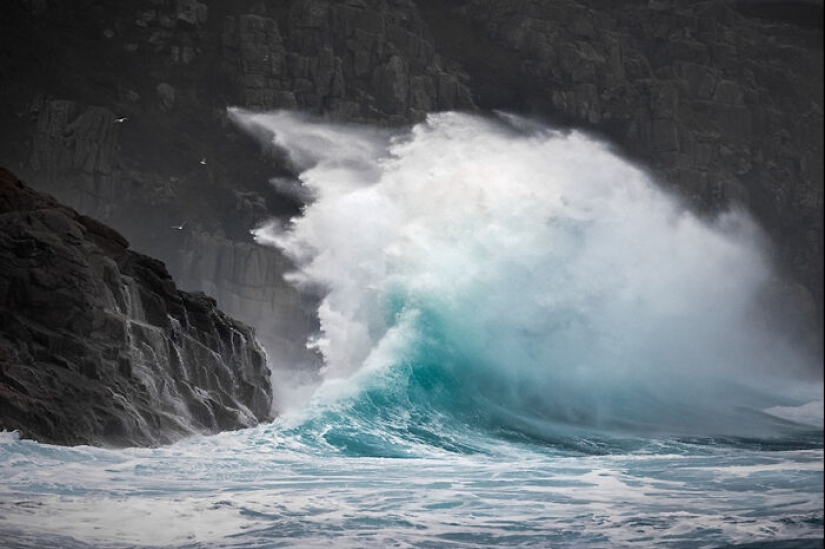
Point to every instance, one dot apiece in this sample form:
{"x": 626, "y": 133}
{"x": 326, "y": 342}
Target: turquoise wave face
{"x": 434, "y": 396}
{"x": 494, "y": 277}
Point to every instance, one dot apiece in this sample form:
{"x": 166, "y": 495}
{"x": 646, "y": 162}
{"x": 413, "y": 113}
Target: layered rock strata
{"x": 97, "y": 344}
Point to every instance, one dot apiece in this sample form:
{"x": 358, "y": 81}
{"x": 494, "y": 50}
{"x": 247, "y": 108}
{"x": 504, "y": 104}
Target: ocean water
{"x": 526, "y": 343}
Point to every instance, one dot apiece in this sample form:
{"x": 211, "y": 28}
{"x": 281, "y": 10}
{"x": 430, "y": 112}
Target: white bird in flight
{"x": 121, "y": 120}
{"x": 179, "y": 227}
{"x": 203, "y": 161}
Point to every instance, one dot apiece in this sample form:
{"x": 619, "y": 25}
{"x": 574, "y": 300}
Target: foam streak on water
{"x": 256, "y": 489}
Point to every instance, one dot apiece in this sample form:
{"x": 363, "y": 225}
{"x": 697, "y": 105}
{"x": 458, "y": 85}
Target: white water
{"x": 527, "y": 344}
{"x": 557, "y": 275}
{"x": 256, "y": 489}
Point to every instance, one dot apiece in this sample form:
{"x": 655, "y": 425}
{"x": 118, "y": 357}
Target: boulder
{"x": 98, "y": 345}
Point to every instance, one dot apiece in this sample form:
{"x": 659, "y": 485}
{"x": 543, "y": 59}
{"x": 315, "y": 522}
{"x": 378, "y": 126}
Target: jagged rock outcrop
{"x": 76, "y": 150}
{"x": 248, "y": 281}
{"x": 97, "y": 344}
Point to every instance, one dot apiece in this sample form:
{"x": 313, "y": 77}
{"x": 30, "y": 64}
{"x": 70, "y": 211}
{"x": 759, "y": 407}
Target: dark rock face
{"x": 98, "y": 346}
{"x": 722, "y": 100}
{"x": 76, "y": 157}
{"x": 356, "y": 60}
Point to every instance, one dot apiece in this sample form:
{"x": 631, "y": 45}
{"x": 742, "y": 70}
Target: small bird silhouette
{"x": 203, "y": 161}
{"x": 121, "y": 120}
{"x": 179, "y": 227}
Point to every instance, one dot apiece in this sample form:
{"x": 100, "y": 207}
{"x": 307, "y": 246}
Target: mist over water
{"x": 525, "y": 280}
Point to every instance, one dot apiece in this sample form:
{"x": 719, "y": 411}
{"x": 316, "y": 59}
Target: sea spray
{"x": 528, "y": 299}
{"x": 516, "y": 278}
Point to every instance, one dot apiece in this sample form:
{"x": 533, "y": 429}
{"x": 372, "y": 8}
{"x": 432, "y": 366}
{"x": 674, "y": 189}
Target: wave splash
{"x": 494, "y": 274}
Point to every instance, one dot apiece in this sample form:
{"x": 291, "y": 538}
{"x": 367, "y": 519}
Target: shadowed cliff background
{"x": 119, "y": 109}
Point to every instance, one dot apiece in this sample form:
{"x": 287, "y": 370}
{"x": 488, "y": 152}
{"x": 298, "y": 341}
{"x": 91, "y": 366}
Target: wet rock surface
{"x": 97, "y": 344}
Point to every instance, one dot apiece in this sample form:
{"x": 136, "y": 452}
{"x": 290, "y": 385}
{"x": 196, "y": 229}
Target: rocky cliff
{"x": 722, "y": 100}
{"x": 97, "y": 344}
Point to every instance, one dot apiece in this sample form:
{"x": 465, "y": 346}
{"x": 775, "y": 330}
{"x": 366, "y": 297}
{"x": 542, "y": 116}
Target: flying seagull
{"x": 179, "y": 227}
{"x": 122, "y": 119}
{"x": 203, "y": 161}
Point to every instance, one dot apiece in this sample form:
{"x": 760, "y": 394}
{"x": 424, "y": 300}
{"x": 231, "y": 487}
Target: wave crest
{"x": 523, "y": 280}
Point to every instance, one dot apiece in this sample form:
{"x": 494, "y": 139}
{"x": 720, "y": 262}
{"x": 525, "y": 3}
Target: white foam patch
{"x": 148, "y": 521}
{"x": 243, "y": 490}
{"x": 811, "y": 413}
{"x": 554, "y": 267}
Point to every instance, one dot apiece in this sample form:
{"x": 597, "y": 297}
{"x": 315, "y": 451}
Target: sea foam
{"x": 537, "y": 273}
